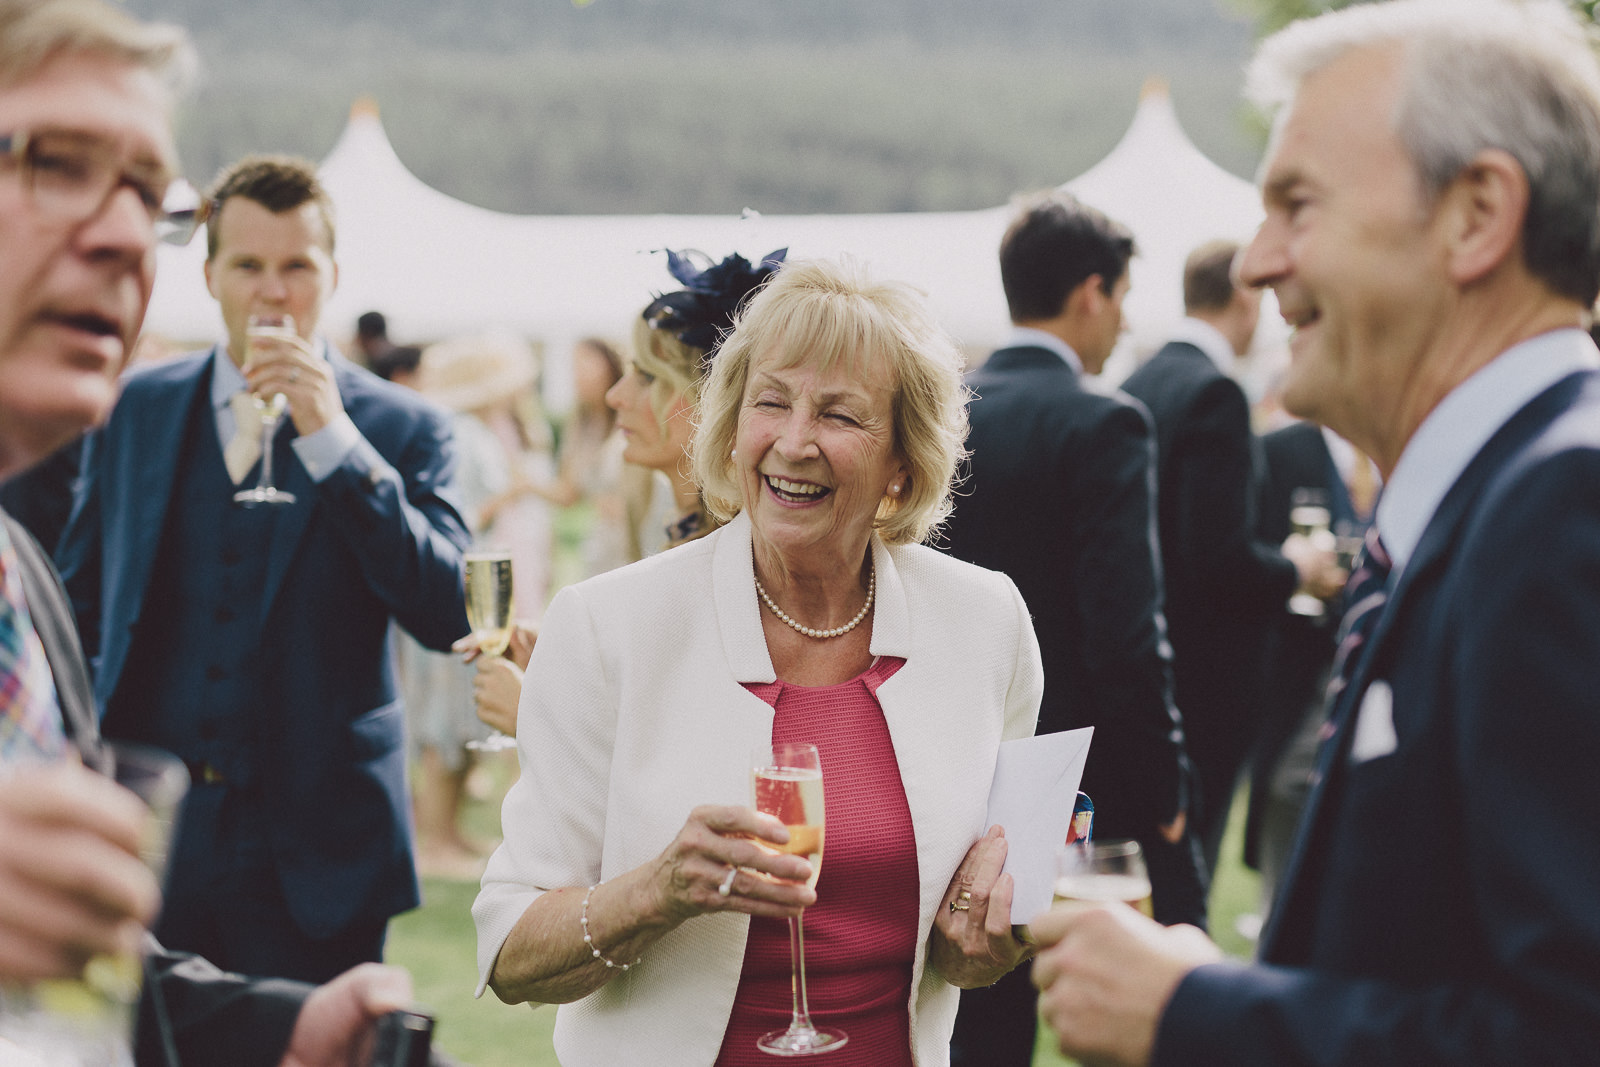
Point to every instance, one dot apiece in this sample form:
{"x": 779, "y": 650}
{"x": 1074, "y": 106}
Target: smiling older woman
{"x": 633, "y": 886}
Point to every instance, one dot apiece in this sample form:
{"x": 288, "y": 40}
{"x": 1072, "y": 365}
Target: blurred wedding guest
{"x": 1305, "y": 465}
{"x": 590, "y": 465}
{"x": 1062, "y": 467}
{"x": 1223, "y": 586}
{"x": 636, "y": 886}
{"x": 673, "y": 342}
{"x": 1432, "y": 232}
{"x": 253, "y": 642}
{"x": 94, "y": 87}
{"x": 371, "y": 341}
{"x": 400, "y": 365}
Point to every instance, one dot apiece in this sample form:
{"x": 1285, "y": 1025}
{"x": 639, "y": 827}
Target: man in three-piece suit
{"x": 1432, "y": 192}
{"x": 1059, "y": 496}
{"x": 86, "y": 114}
{"x": 1302, "y": 463}
{"x": 1223, "y": 586}
{"x": 253, "y": 642}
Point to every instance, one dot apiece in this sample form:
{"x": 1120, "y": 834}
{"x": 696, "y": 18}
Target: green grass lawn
{"x": 438, "y": 944}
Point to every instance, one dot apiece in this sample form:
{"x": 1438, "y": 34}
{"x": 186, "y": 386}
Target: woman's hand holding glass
{"x": 972, "y": 943}
{"x": 720, "y": 845}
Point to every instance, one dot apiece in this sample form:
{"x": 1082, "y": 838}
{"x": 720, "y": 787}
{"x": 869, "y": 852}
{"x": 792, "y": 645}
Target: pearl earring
{"x": 734, "y": 454}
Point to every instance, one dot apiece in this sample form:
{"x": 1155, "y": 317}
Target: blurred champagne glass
{"x": 489, "y": 604}
{"x": 266, "y": 328}
{"x": 1101, "y": 872}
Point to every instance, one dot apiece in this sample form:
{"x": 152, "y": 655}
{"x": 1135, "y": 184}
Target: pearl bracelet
{"x": 583, "y": 919}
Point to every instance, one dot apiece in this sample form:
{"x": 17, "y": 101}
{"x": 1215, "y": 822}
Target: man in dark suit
{"x": 1303, "y": 464}
{"x": 254, "y": 642}
{"x": 77, "y": 243}
{"x": 1432, "y": 189}
{"x": 1059, "y": 496}
{"x": 1223, "y": 586}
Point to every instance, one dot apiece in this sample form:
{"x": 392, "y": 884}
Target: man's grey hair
{"x": 33, "y": 32}
{"x": 1514, "y": 75}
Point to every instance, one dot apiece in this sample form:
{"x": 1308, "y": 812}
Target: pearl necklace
{"x": 837, "y": 631}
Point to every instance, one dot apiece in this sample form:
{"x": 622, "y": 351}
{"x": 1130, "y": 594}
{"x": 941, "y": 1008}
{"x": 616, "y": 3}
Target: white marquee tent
{"x": 436, "y": 265}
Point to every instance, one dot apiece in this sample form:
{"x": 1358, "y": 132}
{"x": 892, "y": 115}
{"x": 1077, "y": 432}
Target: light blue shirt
{"x": 1027, "y": 336}
{"x": 1458, "y": 428}
{"x": 320, "y": 453}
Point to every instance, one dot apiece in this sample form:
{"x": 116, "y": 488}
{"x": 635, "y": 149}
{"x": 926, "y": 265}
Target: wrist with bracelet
{"x": 588, "y": 940}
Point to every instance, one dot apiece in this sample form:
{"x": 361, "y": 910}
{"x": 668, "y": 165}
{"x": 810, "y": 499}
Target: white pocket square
{"x": 1374, "y": 724}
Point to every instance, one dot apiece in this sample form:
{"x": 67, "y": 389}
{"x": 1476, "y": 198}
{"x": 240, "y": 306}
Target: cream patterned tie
{"x": 245, "y": 448}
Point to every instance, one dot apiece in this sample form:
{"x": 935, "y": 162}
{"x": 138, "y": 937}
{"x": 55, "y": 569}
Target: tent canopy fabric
{"x": 438, "y": 266}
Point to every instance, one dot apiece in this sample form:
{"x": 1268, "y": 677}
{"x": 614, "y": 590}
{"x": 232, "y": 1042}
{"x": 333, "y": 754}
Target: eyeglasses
{"x": 72, "y": 174}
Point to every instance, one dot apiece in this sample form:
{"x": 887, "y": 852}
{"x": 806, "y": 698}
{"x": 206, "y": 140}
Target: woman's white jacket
{"x": 634, "y": 713}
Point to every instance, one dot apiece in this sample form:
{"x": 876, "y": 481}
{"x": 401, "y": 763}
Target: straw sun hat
{"x": 467, "y": 373}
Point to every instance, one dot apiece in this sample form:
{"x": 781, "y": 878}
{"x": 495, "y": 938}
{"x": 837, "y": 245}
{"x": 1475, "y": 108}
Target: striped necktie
{"x": 1365, "y": 594}
{"x": 30, "y": 718}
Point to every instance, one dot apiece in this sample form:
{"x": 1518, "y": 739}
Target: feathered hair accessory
{"x": 701, "y": 313}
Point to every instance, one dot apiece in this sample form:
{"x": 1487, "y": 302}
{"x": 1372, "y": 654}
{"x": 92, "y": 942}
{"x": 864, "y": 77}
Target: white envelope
{"x": 1035, "y": 787}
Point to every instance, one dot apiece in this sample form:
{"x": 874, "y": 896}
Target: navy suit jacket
{"x": 1222, "y": 584}
{"x": 1059, "y": 497}
{"x": 1441, "y": 903}
{"x": 379, "y": 538}
{"x": 214, "y": 1017}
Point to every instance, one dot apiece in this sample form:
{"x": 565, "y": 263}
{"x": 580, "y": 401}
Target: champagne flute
{"x": 787, "y": 780}
{"x": 1099, "y": 872}
{"x": 1309, "y": 516}
{"x": 267, "y": 327}
{"x": 488, "y": 578}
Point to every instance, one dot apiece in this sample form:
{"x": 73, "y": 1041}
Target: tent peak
{"x": 1155, "y": 86}
{"x": 364, "y": 107}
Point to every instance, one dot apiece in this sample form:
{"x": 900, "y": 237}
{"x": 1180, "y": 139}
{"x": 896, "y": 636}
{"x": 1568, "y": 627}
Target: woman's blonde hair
{"x": 676, "y": 367}
{"x": 828, "y": 314}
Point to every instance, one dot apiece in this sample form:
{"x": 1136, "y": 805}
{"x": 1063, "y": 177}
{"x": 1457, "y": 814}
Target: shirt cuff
{"x": 323, "y": 452}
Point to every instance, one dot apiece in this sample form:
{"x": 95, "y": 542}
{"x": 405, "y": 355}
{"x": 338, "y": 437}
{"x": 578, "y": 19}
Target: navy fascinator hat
{"x": 701, "y": 313}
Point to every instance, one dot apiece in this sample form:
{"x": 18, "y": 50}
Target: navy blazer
{"x": 1441, "y": 903}
{"x": 1059, "y": 497}
{"x": 1223, "y": 586}
{"x": 379, "y": 538}
{"x": 213, "y": 1017}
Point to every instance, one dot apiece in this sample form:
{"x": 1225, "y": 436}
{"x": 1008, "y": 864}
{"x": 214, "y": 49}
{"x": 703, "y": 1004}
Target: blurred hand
{"x": 295, "y": 369}
{"x": 688, "y": 876}
{"x": 1106, "y": 973}
{"x": 496, "y": 691}
{"x": 524, "y": 635}
{"x": 974, "y": 946}
{"x": 335, "y": 1025}
{"x": 72, "y": 884}
{"x": 1172, "y": 832}
{"x": 1317, "y": 564}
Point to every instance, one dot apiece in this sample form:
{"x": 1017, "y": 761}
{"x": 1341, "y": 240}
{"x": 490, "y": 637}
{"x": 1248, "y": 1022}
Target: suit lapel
{"x": 1431, "y": 552}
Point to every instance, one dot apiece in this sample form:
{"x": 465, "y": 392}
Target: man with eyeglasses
{"x": 85, "y": 168}
{"x": 254, "y": 642}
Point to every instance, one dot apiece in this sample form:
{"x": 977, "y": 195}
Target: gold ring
{"x": 962, "y": 904}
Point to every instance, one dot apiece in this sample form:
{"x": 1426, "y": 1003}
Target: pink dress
{"x": 861, "y": 935}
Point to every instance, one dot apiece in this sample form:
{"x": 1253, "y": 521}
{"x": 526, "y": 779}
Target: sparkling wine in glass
{"x": 787, "y": 780}
{"x": 1309, "y": 516}
{"x": 488, "y": 581}
{"x": 266, "y": 328}
{"x": 1102, "y": 872}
